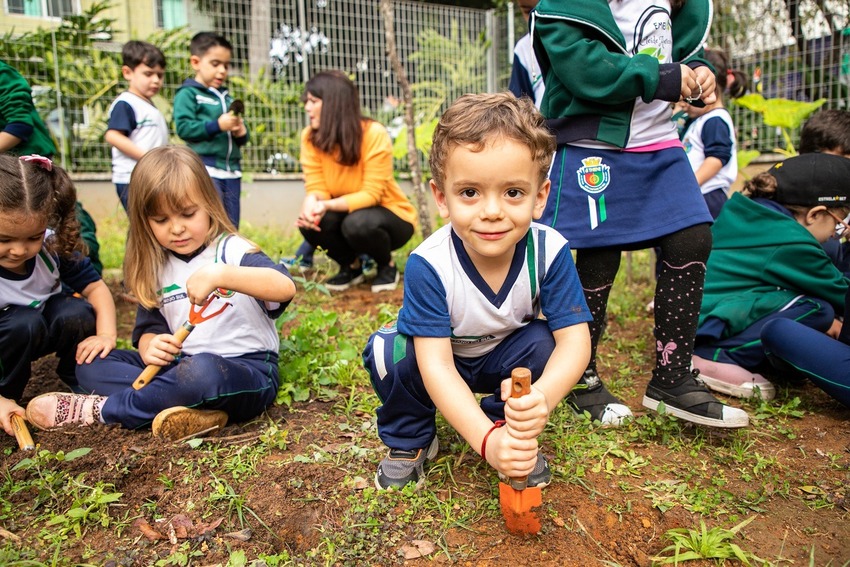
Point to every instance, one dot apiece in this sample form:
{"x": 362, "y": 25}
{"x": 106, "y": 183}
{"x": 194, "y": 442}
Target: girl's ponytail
{"x": 728, "y": 80}
{"x": 63, "y": 219}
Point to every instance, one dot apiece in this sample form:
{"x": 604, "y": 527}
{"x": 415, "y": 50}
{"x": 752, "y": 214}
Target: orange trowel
{"x": 520, "y": 503}
{"x": 196, "y": 315}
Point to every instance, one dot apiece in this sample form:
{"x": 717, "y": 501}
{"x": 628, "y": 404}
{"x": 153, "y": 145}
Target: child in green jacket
{"x": 206, "y": 118}
{"x": 767, "y": 263}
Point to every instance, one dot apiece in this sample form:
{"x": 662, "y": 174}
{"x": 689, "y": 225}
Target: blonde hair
{"x": 165, "y": 178}
{"x": 474, "y": 119}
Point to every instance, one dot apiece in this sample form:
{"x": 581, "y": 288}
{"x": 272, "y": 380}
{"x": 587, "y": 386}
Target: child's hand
{"x": 229, "y": 122}
{"x": 90, "y": 347}
{"x": 835, "y": 329}
{"x": 707, "y": 81}
{"x": 511, "y": 456}
{"x": 7, "y": 409}
{"x": 690, "y": 84}
{"x": 240, "y": 130}
{"x": 203, "y": 282}
{"x": 525, "y": 416}
{"x": 162, "y": 350}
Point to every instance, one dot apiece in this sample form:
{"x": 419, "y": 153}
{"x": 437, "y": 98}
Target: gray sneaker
{"x": 401, "y": 467}
{"x": 540, "y": 477}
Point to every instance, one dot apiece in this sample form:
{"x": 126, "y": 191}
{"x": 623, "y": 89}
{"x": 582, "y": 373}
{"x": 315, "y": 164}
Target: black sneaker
{"x": 386, "y": 280}
{"x": 690, "y": 400}
{"x": 596, "y": 400}
{"x": 346, "y": 278}
{"x": 540, "y": 477}
{"x": 401, "y": 467}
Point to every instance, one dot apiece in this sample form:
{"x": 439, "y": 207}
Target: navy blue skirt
{"x": 605, "y": 198}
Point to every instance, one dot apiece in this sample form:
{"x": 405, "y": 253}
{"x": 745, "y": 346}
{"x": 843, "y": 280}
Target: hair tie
{"x": 41, "y": 161}
{"x": 730, "y": 77}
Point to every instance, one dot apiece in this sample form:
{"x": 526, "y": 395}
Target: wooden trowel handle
{"x": 151, "y": 370}
{"x": 22, "y": 434}
{"x": 520, "y": 386}
{"x": 520, "y": 382}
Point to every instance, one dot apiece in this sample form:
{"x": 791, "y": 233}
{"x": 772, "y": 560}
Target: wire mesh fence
{"x": 800, "y": 56}
{"x": 446, "y": 50}
{"x": 76, "y": 70}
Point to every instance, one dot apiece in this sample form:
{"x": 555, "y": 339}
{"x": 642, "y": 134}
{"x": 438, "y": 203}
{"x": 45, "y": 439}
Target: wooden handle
{"x": 22, "y": 434}
{"x": 520, "y": 382}
{"x": 520, "y": 386}
{"x": 151, "y": 370}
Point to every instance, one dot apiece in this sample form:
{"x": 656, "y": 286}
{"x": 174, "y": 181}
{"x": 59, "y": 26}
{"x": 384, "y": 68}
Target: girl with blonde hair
{"x": 182, "y": 250}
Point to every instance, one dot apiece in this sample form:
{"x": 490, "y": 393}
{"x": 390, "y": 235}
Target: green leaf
{"x": 77, "y": 453}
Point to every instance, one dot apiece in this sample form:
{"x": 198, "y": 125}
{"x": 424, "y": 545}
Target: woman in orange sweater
{"x": 353, "y": 204}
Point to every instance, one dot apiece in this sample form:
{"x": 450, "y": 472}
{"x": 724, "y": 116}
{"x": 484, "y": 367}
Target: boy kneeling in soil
{"x": 473, "y": 296}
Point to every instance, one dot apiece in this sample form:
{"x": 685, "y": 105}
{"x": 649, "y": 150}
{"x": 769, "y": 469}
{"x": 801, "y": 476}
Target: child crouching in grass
{"x": 473, "y": 296}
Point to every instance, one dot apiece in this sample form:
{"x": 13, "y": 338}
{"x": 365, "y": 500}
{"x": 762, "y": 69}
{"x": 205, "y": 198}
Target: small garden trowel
{"x": 519, "y": 502}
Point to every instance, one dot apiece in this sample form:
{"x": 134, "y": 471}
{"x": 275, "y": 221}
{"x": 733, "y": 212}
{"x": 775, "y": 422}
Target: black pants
{"x": 375, "y": 231}
{"x": 27, "y": 334}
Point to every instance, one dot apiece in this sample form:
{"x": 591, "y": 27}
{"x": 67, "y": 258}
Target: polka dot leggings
{"x": 678, "y": 294}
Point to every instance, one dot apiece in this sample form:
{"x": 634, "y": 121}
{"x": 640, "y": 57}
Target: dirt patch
{"x": 305, "y": 477}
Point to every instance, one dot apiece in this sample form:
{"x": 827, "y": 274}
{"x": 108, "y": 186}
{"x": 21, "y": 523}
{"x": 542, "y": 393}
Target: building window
{"x": 42, "y": 8}
{"x": 170, "y": 14}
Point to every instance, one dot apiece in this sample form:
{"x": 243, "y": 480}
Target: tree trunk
{"x": 407, "y": 96}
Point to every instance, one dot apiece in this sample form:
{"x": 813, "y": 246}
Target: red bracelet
{"x": 496, "y": 425}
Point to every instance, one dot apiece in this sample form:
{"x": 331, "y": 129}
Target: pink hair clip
{"x": 40, "y": 161}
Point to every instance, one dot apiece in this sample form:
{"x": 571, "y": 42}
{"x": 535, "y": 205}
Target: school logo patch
{"x": 594, "y": 176}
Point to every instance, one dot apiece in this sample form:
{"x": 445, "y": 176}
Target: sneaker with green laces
{"x": 540, "y": 477}
{"x": 402, "y": 467}
{"x": 590, "y": 395}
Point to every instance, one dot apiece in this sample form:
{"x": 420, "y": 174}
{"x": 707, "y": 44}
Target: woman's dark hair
{"x": 728, "y": 80}
{"x": 340, "y": 131}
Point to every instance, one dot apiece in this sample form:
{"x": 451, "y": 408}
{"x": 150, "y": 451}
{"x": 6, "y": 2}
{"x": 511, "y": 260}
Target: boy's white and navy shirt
{"x": 44, "y": 277}
{"x": 142, "y": 122}
{"x": 713, "y": 135}
{"x": 246, "y": 326}
{"x": 445, "y": 296}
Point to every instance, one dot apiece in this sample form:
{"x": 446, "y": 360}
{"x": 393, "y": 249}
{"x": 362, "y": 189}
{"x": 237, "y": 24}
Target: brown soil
{"x": 593, "y": 522}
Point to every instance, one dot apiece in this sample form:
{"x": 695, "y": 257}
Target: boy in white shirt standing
{"x": 135, "y": 124}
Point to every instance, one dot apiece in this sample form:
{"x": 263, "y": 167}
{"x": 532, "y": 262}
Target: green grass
{"x": 654, "y": 461}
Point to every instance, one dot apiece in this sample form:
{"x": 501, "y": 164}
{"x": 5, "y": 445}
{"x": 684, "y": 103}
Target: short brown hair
{"x": 473, "y": 119}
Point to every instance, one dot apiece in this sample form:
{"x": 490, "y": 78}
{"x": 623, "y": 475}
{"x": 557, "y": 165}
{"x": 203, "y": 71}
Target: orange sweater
{"x": 369, "y": 183}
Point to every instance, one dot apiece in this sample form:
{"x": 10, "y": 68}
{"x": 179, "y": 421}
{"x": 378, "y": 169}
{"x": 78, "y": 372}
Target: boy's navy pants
{"x": 406, "y": 418}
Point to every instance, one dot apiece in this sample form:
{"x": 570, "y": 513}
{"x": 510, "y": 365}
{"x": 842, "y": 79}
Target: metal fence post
{"x": 59, "y": 108}
{"x": 511, "y": 33}
{"x": 492, "y": 61}
{"x": 302, "y": 24}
